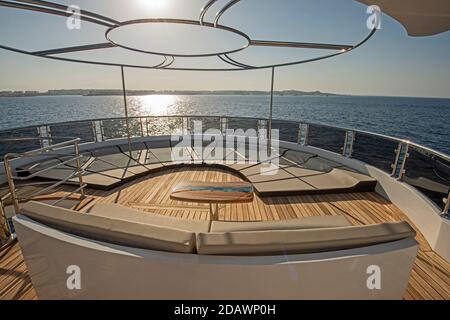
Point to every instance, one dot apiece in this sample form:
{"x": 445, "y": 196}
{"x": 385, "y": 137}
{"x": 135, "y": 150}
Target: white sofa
{"x": 127, "y": 256}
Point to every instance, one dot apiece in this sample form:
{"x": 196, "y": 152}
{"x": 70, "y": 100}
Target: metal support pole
{"x": 79, "y": 169}
{"x": 344, "y": 149}
{"x": 142, "y": 126}
{"x": 102, "y": 130}
{"x": 5, "y": 232}
{"x": 182, "y": 126}
{"x": 446, "y": 210}
{"x": 146, "y": 126}
{"x": 12, "y": 187}
{"x": 98, "y": 131}
{"x": 41, "y": 141}
{"x": 394, "y": 166}
{"x": 405, "y": 158}
{"x": 94, "y": 131}
{"x": 299, "y": 134}
{"x": 126, "y": 109}
{"x": 352, "y": 143}
{"x": 50, "y": 139}
{"x": 306, "y": 138}
{"x": 347, "y": 150}
{"x": 269, "y": 125}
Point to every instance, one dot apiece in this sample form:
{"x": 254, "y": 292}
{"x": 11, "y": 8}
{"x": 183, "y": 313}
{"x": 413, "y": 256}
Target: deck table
{"x": 213, "y": 193}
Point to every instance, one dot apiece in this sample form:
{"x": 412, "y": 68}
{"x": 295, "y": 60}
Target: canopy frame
{"x": 168, "y": 59}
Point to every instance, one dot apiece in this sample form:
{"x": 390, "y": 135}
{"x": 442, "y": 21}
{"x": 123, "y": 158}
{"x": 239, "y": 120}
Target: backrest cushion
{"x": 278, "y": 242}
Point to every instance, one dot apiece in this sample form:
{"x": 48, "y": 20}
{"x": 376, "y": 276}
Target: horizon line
{"x": 319, "y": 92}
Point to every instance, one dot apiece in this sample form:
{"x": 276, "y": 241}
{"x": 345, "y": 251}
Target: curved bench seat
{"x": 124, "y": 226}
{"x": 123, "y": 259}
{"x": 111, "y": 166}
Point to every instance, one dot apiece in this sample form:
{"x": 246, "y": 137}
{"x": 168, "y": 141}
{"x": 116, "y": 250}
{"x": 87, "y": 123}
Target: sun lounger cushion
{"x": 286, "y": 186}
{"x": 339, "y": 179}
{"x": 98, "y": 180}
{"x": 115, "y": 211}
{"x": 104, "y": 151}
{"x": 291, "y": 224}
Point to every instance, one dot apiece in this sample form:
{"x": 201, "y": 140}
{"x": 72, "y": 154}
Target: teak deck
{"x": 430, "y": 274}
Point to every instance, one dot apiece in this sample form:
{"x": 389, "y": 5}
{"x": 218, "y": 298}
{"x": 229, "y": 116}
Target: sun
{"x": 156, "y": 4}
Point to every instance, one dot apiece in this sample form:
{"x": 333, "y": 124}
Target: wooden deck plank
{"x": 15, "y": 283}
{"x": 430, "y": 274}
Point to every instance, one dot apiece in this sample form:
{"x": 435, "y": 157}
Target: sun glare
{"x": 156, "y": 4}
{"x": 156, "y": 104}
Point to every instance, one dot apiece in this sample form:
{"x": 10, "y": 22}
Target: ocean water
{"x": 422, "y": 120}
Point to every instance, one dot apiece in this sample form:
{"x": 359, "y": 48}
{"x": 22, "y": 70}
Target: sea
{"x": 423, "y": 120}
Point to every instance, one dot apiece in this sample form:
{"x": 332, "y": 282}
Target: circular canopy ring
{"x": 178, "y": 21}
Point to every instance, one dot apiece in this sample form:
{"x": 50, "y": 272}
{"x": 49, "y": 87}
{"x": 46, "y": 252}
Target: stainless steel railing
{"x": 424, "y": 168}
{"x": 48, "y": 158}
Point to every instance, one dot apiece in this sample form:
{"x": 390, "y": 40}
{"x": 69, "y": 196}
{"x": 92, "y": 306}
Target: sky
{"x": 390, "y": 64}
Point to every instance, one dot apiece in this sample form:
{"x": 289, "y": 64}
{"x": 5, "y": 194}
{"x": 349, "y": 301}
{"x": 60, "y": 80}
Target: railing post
{"x": 146, "y": 126}
{"x": 98, "y": 131}
{"x": 94, "y": 131}
{"x": 5, "y": 231}
{"x": 127, "y": 120}
{"x": 79, "y": 169}
{"x": 446, "y": 211}
{"x": 402, "y": 154}
{"x": 269, "y": 125}
{"x": 302, "y": 137}
{"x": 306, "y": 135}
{"x": 44, "y": 135}
{"x": 349, "y": 141}
{"x": 224, "y": 125}
{"x": 187, "y": 126}
{"x": 261, "y": 125}
{"x": 12, "y": 187}
{"x": 344, "y": 148}
{"x": 405, "y": 158}
{"x": 183, "y": 127}
{"x": 142, "y": 126}
{"x": 41, "y": 139}
{"x": 352, "y": 144}
{"x": 101, "y": 131}
{"x": 48, "y": 134}
{"x": 394, "y": 166}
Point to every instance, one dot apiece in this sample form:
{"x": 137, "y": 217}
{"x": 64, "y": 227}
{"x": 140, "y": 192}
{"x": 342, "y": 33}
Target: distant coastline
{"x": 114, "y": 92}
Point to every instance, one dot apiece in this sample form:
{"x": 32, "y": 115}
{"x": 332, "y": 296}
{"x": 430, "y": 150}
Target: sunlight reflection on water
{"x": 154, "y": 104}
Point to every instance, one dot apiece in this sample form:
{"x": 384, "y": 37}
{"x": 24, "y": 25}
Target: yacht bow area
{"x": 317, "y": 210}
{"x": 220, "y": 207}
